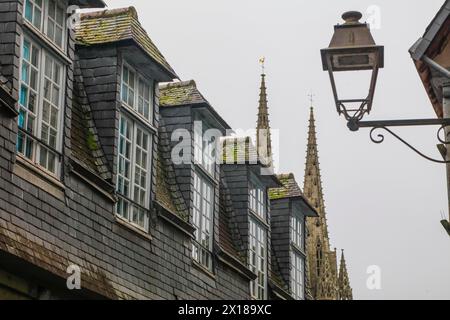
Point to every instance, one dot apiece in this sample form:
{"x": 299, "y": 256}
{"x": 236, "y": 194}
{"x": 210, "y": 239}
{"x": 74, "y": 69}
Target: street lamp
{"x": 353, "y": 48}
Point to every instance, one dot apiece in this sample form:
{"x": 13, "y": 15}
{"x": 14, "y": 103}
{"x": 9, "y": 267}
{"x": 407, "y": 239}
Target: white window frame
{"x": 257, "y": 198}
{"x": 137, "y": 94}
{"x": 203, "y": 220}
{"x": 38, "y": 144}
{"x": 129, "y": 201}
{"x": 43, "y": 27}
{"x": 297, "y": 276}
{"x": 203, "y": 148}
{"x": 298, "y": 230}
{"x": 258, "y": 259}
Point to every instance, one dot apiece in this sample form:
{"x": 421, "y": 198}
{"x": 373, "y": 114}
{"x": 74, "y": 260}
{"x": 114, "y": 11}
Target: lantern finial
{"x": 352, "y": 17}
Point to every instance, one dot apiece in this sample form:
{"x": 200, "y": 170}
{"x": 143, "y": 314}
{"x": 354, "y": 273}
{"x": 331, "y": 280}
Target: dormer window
{"x": 257, "y": 199}
{"x": 297, "y": 231}
{"x": 137, "y": 93}
{"x": 48, "y": 16}
{"x": 298, "y": 276}
{"x": 204, "y": 151}
{"x": 203, "y": 192}
{"x": 202, "y": 218}
{"x": 133, "y": 173}
{"x": 257, "y": 258}
{"x": 297, "y": 254}
{"x": 40, "y": 107}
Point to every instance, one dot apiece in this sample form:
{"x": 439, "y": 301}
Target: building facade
{"x": 113, "y": 183}
{"x": 431, "y": 56}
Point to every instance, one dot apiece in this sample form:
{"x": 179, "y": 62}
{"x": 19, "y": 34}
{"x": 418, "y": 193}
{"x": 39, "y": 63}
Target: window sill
{"x": 96, "y": 182}
{"x": 175, "y": 221}
{"x": 258, "y": 218}
{"x": 298, "y": 250}
{"x": 231, "y": 261}
{"x": 204, "y": 270}
{"x": 28, "y": 171}
{"x": 48, "y": 43}
{"x": 205, "y": 173}
{"x": 136, "y": 230}
{"x": 280, "y": 292}
{"x": 136, "y": 116}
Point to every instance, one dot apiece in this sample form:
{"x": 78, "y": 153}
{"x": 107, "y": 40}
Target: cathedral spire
{"x": 313, "y": 181}
{"x": 264, "y": 144}
{"x": 345, "y": 291}
{"x": 323, "y": 280}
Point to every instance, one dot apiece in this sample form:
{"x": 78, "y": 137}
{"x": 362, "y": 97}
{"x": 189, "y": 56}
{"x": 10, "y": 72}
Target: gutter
{"x": 434, "y": 65}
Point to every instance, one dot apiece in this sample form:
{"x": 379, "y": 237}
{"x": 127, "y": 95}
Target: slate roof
{"x": 186, "y": 93}
{"x": 86, "y": 148}
{"x": 290, "y": 188}
{"x": 229, "y": 236}
{"x": 168, "y": 193}
{"x": 108, "y": 26}
{"x": 180, "y": 93}
{"x": 46, "y": 255}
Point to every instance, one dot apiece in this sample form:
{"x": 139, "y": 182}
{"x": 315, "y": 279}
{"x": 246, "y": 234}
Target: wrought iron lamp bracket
{"x": 354, "y": 124}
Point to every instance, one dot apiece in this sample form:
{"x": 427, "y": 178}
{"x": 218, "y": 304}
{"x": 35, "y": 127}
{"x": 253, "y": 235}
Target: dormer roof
{"x": 116, "y": 25}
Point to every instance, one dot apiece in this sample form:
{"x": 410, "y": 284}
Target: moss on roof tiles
{"x": 86, "y": 148}
{"x": 168, "y": 194}
{"x": 108, "y": 26}
{"x": 180, "y": 93}
{"x": 290, "y": 188}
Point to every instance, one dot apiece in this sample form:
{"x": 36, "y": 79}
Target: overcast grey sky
{"x": 384, "y": 203}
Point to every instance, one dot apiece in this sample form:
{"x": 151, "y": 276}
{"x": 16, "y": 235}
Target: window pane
{"x": 55, "y": 22}
{"x": 202, "y": 217}
{"x": 297, "y": 276}
{"x": 257, "y": 259}
{"x": 132, "y": 173}
{"x": 32, "y": 12}
{"x": 29, "y": 10}
{"x": 29, "y": 95}
{"x": 297, "y": 231}
{"x": 143, "y": 106}
{"x": 257, "y": 199}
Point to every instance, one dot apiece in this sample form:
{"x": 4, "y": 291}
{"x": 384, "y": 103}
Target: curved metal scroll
{"x": 380, "y": 139}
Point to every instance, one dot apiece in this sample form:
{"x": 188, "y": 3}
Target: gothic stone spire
{"x": 345, "y": 290}
{"x": 312, "y": 187}
{"x": 323, "y": 282}
{"x": 264, "y": 144}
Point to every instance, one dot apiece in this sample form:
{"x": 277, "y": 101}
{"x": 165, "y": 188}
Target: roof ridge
{"x": 106, "y": 13}
{"x": 177, "y": 84}
{"x": 286, "y": 175}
